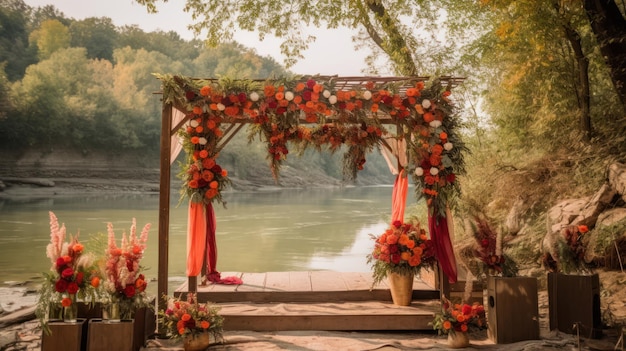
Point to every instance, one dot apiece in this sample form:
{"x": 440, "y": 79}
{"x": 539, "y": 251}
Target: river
{"x": 262, "y": 231}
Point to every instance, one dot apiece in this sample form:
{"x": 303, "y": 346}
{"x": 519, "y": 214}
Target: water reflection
{"x": 286, "y": 230}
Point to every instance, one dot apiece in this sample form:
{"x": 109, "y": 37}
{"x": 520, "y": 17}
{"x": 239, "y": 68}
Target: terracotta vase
{"x": 401, "y": 287}
{"x": 197, "y": 342}
{"x": 458, "y": 340}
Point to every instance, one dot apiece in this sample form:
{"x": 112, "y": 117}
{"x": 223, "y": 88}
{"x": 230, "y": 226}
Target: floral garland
{"x": 277, "y": 107}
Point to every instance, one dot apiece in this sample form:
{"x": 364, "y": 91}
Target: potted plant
{"x": 456, "y": 320}
{"x": 399, "y": 254}
{"x": 193, "y": 322}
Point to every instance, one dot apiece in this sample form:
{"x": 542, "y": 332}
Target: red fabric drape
{"x": 398, "y": 197}
{"x": 196, "y": 238}
{"x": 439, "y": 234}
{"x": 211, "y": 251}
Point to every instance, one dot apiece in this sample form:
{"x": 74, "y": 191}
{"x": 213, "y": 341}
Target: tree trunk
{"x": 609, "y": 27}
{"x": 582, "y": 88}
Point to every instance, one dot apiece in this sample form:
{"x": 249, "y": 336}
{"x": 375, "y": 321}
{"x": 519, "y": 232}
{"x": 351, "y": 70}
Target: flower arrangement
{"x": 71, "y": 277}
{"x": 277, "y": 107}
{"x": 404, "y": 248}
{"x": 188, "y": 318}
{"x": 459, "y": 318}
{"x": 123, "y": 282}
{"x": 571, "y": 251}
{"x": 488, "y": 250}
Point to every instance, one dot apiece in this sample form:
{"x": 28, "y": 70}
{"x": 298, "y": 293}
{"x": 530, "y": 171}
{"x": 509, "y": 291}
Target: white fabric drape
{"x": 397, "y": 155}
{"x": 176, "y": 143}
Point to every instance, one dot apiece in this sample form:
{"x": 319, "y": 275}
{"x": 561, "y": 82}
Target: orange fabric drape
{"x": 398, "y": 198}
{"x": 196, "y": 238}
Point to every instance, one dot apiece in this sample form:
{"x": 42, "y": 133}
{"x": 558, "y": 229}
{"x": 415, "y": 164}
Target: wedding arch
{"x": 412, "y": 120}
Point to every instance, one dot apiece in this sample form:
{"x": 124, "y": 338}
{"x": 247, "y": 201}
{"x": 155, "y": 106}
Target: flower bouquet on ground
{"x": 71, "y": 277}
{"x": 459, "y": 318}
{"x": 570, "y": 251}
{"x": 188, "y": 319}
{"x": 488, "y": 250}
{"x": 404, "y": 248}
{"x": 125, "y": 285}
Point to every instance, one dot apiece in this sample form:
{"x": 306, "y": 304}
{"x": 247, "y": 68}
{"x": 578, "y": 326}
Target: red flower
{"x": 79, "y": 278}
{"x": 67, "y": 272}
{"x": 129, "y": 291}
{"x": 72, "y": 288}
{"x": 190, "y": 95}
{"x": 60, "y": 262}
{"x": 397, "y": 224}
{"x": 61, "y": 285}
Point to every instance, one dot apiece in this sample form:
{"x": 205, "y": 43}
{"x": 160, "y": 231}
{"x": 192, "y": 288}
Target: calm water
{"x": 286, "y": 230}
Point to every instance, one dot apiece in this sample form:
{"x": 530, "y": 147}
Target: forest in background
{"x": 543, "y": 117}
{"x": 88, "y": 85}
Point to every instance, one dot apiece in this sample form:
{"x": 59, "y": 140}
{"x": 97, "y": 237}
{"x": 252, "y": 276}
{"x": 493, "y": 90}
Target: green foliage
{"x": 50, "y": 37}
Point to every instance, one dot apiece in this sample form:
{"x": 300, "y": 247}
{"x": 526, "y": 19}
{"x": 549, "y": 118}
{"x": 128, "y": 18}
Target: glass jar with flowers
{"x": 195, "y": 323}
{"x": 125, "y": 285}
{"x": 456, "y": 320}
{"x": 399, "y": 254}
{"x": 71, "y": 277}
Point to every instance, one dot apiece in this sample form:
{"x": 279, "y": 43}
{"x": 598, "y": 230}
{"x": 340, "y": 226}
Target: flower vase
{"x": 197, "y": 342}
{"x": 401, "y": 287}
{"x": 112, "y": 312}
{"x": 458, "y": 340}
{"x": 70, "y": 309}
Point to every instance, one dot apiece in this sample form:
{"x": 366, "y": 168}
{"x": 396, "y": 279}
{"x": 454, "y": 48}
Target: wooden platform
{"x": 316, "y": 300}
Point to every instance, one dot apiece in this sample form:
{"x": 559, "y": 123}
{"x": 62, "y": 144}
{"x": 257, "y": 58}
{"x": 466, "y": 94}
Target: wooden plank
{"x": 300, "y": 281}
{"x": 327, "y": 281}
{"x": 277, "y": 281}
{"x": 216, "y": 287}
{"x": 357, "y": 280}
{"x": 252, "y": 282}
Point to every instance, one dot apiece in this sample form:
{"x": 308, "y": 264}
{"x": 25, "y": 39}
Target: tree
{"x": 609, "y": 27}
{"x": 98, "y": 35}
{"x": 391, "y": 26}
{"x": 14, "y": 48}
{"x": 50, "y": 37}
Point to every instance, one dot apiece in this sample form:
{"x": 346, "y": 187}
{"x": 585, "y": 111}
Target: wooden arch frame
{"x": 174, "y": 91}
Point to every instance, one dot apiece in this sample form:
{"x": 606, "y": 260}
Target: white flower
{"x": 193, "y": 123}
{"x": 448, "y": 146}
{"x": 205, "y": 108}
{"x": 426, "y": 103}
{"x": 202, "y": 141}
{"x": 367, "y": 95}
{"x": 326, "y": 94}
{"x": 221, "y": 106}
{"x": 419, "y": 171}
{"x": 434, "y": 171}
{"x": 289, "y": 96}
{"x": 332, "y": 99}
{"x": 435, "y": 123}
{"x": 254, "y": 96}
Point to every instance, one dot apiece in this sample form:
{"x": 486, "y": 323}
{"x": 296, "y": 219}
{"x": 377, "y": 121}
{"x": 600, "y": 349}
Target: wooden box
{"x": 512, "y": 309}
{"x": 104, "y": 336}
{"x": 65, "y": 336}
{"x": 144, "y": 327}
{"x": 574, "y": 301}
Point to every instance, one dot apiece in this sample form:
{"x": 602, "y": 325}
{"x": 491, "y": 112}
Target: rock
{"x": 610, "y": 217}
{"x": 617, "y": 178}
{"x": 513, "y": 222}
{"x": 562, "y": 214}
{"x": 598, "y": 203}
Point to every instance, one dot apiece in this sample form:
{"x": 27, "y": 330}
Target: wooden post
{"x": 164, "y": 205}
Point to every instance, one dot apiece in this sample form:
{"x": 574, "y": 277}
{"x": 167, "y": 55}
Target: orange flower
{"x": 300, "y": 86}
{"x": 95, "y": 282}
{"x": 411, "y": 92}
{"x": 464, "y": 327}
{"x": 205, "y": 324}
{"x": 269, "y": 90}
{"x": 447, "y": 325}
{"x": 205, "y": 90}
{"x": 443, "y": 135}
{"x": 210, "y": 193}
{"x": 405, "y": 256}
{"x": 374, "y": 108}
{"x": 207, "y": 175}
{"x": 428, "y": 117}
{"x": 185, "y": 317}
{"x": 195, "y": 140}
{"x": 78, "y": 248}
{"x": 197, "y": 110}
{"x": 279, "y": 96}
{"x": 213, "y": 185}
{"x": 583, "y": 228}
{"x": 203, "y": 154}
{"x": 66, "y": 302}
{"x": 224, "y": 173}
{"x": 208, "y": 163}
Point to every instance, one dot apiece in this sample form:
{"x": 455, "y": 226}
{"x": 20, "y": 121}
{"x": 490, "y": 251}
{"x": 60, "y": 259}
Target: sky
{"x": 333, "y": 53}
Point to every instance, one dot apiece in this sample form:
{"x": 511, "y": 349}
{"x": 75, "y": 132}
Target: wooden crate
{"x": 574, "y": 302}
{"x": 104, "y": 336}
{"x": 65, "y": 336}
{"x": 512, "y": 309}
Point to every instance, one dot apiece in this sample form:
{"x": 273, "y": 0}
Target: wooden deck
{"x": 316, "y": 300}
